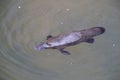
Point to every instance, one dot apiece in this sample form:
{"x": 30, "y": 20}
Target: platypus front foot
{"x": 64, "y": 52}
{"x": 49, "y": 36}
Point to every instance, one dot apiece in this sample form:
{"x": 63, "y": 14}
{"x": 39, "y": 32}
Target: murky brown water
{"x": 25, "y": 23}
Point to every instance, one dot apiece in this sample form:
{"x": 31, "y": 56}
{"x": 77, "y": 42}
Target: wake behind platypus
{"x": 64, "y": 40}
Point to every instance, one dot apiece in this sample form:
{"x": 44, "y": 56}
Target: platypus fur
{"x": 64, "y": 40}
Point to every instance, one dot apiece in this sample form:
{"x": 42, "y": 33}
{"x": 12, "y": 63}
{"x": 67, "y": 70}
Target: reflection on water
{"x": 25, "y": 23}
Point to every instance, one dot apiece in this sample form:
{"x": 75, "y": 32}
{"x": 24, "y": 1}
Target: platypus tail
{"x": 94, "y": 31}
{"x": 101, "y": 29}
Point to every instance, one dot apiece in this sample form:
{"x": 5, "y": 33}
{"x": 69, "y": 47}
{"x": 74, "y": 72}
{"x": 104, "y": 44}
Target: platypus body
{"x": 64, "y": 40}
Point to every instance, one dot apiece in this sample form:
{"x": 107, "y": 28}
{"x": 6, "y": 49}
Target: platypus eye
{"x": 48, "y": 44}
{"x": 45, "y": 45}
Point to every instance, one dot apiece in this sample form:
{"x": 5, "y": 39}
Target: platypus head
{"x": 41, "y": 46}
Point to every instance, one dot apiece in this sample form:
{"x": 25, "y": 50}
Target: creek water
{"x": 26, "y": 23}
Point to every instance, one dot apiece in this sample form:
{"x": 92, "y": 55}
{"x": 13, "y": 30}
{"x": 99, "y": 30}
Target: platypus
{"x": 67, "y": 39}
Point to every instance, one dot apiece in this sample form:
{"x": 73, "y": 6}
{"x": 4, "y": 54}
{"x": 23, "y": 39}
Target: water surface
{"x": 25, "y": 23}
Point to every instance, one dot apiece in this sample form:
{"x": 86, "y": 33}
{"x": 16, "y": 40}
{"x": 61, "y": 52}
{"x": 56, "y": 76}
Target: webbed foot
{"x": 49, "y": 36}
{"x": 91, "y": 40}
{"x": 64, "y": 52}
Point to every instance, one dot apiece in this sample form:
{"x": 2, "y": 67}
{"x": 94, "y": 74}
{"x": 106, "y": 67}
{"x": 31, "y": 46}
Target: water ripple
{"x": 17, "y": 53}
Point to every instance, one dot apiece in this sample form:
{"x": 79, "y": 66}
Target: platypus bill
{"x": 64, "y": 40}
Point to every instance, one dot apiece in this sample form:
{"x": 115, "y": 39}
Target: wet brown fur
{"x": 85, "y": 35}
